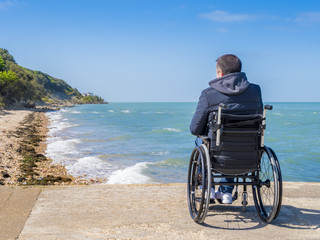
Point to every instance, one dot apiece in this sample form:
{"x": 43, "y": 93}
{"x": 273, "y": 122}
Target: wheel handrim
{"x": 195, "y": 183}
{"x": 266, "y": 192}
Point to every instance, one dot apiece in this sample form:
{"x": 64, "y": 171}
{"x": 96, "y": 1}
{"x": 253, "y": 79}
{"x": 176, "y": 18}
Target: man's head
{"x": 228, "y": 63}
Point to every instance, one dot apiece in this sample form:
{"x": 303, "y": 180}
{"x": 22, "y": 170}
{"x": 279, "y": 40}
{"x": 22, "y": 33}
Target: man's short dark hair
{"x": 229, "y": 63}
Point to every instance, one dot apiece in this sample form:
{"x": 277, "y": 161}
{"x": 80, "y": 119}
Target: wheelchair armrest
{"x": 204, "y": 138}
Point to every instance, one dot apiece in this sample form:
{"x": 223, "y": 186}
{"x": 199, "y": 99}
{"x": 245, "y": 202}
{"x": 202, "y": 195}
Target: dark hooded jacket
{"x": 234, "y": 90}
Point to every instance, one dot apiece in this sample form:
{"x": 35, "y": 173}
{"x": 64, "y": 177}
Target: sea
{"x": 135, "y": 143}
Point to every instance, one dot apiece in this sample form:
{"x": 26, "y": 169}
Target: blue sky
{"x": 165, "y": 50}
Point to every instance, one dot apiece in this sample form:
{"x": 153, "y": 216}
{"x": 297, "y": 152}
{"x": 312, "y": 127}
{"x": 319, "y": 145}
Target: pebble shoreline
{"x": 23, "y": 136}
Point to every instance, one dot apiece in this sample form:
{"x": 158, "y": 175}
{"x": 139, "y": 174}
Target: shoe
{"x": 226, "y": 198}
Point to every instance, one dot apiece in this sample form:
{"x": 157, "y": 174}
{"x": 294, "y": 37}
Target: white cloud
{"x": 308, "y": 17}
{"x": 222, "y": 16}
{"x": 5, "y": 4}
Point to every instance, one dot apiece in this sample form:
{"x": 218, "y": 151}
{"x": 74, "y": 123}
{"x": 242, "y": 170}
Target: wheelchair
{"x": 235, "y": 150}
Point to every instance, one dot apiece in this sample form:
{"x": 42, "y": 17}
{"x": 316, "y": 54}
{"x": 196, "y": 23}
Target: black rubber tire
{"x": 280, "y": 182}
{"x": 267, "y": 194}
{"x": 198, "y": 183}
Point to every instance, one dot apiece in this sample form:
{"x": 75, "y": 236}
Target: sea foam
{"x": 58, "y": 123}
{"x": 59, "y": 149}
{"x": 161, "y": 153}
{"x": 130, "y": 175}
{"x": 125, "y": 111}
{"x": 90, "y": 167}
{"x": 172, "y": 129}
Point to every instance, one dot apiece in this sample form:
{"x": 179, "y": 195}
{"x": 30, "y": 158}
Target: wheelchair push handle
{"x": 268, "y": 107}
{"x": 263, "y": 125}
{"x": 221, "y": 105}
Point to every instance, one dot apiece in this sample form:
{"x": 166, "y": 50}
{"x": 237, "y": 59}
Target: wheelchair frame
{"x": 266, "y": 180}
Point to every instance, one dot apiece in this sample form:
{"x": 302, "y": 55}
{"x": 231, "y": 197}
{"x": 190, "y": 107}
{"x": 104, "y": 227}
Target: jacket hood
{"x": 230, "y": 84}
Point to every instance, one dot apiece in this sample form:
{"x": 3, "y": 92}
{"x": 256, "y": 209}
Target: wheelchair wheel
{"x": 267, "y": 194}
{"x": 199, "y": 183}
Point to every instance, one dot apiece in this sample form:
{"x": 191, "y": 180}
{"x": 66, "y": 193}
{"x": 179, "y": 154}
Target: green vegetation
{"x": 2, "y": 65}
{"x": 19, "y": 85}
{"x": 8, "y": 84}
{"x": 92, "y": 99}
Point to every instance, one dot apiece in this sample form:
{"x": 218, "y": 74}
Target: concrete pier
{"x": 152, "y": 211}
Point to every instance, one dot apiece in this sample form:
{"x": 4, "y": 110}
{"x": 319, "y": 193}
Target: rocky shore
{"x": 22, "y": 148}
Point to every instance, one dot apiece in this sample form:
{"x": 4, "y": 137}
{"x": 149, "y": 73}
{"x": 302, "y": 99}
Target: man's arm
{"x": 199, "y": 121}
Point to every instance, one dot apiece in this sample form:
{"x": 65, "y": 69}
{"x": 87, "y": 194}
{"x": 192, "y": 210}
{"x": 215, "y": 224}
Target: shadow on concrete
{"x": 289, "y": 217}
{"x": 298, "y": 218}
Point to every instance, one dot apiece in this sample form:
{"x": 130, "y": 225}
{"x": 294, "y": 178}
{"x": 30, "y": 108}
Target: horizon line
{"x": 197, "y": 101}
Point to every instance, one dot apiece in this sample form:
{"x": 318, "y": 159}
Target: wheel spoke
{"x": 267, "y": 195}
{"x": 197, "y": 185}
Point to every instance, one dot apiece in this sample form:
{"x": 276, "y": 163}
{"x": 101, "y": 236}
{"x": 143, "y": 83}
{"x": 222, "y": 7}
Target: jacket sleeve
{"x": 199, "y": 121}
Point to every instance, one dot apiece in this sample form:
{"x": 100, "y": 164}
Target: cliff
{"x": 28, "y": 88}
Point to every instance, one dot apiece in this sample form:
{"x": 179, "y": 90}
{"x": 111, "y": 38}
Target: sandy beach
{"x": 9, "y": 158}
{"x": 23, "y": 143}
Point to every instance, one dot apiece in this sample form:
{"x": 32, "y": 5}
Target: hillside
{"x": 25, "y": 87}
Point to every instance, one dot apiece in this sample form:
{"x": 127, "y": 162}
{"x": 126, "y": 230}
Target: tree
{"x": 6, "y": 55}
{"x": 8, "y": 84}
{"x": 2, "y": 65}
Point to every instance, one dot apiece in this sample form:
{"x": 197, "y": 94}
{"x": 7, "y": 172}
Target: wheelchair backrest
{"x": 239, "y": 148}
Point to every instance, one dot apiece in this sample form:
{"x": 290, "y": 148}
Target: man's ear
{"x": 219, "y": 73}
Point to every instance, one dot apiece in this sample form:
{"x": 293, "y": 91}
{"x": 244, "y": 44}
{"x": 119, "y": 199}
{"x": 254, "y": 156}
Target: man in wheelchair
{"x": 230, "y": 145}
{"x": 231, "y": 88}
